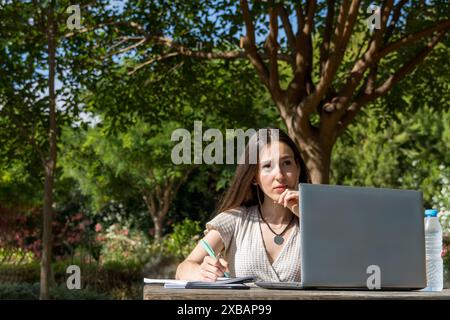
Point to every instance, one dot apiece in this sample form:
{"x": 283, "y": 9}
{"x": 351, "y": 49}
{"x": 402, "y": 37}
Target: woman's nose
{"x": 278, "y": 172}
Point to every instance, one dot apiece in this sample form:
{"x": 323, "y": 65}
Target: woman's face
{"x": 277, "y": 171}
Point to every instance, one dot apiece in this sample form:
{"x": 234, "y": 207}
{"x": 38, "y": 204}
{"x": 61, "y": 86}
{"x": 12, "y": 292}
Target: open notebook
{"x": 221, "y": 283}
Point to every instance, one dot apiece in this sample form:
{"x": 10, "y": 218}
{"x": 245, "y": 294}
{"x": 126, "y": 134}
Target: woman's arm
{"x": 199, "y": 265}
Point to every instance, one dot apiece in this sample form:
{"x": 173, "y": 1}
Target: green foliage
{"x": 112, "y": 280}
{"x": 410, "y": 153}
{"x": 27, "y": 291}
{"x": 19, "y": 291}
{"x": 444, "y": 219}
{"x": 116, "y": 167}
{"x": 15, "y": 256}
{"x": 120, "y": 243}
{"x": 20, "y": 273}
{"x": 183, "y": 239}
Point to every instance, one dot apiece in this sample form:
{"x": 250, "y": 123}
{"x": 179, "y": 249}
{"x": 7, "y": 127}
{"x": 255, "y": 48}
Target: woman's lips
{"x": 279, "y": 189}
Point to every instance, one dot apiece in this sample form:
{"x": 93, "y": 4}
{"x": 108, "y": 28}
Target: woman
{"x": 256, "y": 231}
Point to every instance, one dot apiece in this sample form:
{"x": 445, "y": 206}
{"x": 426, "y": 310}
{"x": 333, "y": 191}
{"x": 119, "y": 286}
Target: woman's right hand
{"x": 212, "y": 268}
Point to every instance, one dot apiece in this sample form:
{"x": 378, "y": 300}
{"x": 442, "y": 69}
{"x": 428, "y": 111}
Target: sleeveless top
{"x": 245, "y": 252}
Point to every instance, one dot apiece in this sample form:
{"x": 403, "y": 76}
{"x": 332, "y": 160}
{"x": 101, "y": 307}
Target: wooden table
{"x": 152, "y": 292}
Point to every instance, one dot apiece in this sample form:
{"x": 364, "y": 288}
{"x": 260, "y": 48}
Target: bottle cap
{"x": 431, "y": 213}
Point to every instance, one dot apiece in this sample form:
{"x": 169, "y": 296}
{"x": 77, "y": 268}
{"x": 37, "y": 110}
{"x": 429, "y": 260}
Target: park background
{"x": 86, "y": 117}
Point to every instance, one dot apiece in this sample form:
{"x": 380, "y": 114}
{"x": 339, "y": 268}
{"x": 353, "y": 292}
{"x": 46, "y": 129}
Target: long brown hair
{"x": 241, "y": 191}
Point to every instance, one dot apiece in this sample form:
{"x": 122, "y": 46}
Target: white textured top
{"x": 245, "y": 252}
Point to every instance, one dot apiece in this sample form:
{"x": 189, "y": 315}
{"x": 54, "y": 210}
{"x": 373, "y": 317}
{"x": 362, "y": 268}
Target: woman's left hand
{"x": 289, "y": 199}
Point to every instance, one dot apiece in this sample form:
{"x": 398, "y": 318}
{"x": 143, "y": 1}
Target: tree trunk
{"x": 315, "y": 148}
{"x": 157, "y": 222}
{"x": 46, "y": 260}
{"x": 319, "y": 167}
{"x": 50, "y": 165}
{"x": 155, "y": 213}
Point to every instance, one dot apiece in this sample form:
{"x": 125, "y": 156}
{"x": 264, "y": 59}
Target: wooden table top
{"x": 152, "y": 292}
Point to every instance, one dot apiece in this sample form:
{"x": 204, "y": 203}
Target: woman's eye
{"x": 266, "y": 166}
{"x": 287, "y": 162}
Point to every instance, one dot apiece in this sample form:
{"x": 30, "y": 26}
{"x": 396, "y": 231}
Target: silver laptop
{"x": 360, "y": 238}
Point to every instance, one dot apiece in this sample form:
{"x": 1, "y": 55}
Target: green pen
{"x": 210, "y": 251}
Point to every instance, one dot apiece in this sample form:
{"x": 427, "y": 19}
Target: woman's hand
{"x": 212, "y": 268}
{"x": 289, "y": 199}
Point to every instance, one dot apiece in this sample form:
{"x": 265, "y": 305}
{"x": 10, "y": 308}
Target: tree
{"x": 408, "y": 153}
{"x": 134, "y": 163}
{"x": 128, "y": 156}
{"x": 408, "y": 146}
{"x": 333, "y": 88}
{"x": 34, "y": 54}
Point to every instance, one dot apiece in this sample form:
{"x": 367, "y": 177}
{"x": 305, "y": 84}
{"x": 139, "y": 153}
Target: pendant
{"x": 278, "y": 240}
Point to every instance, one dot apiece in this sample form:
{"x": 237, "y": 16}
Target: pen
{"x": 210, "y": 251}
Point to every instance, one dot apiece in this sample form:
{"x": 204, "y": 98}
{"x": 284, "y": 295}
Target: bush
{"x": 22, "y": 229}
{"x": 120, "y": 243}
{"x": 15, "y": 256}
{"x": 19, "y": 291}
{"x": 30, "y": 291}
{"x": 183, "y": 239}
{"x": 62, "y": 293}
{"x": 20, "y": 273}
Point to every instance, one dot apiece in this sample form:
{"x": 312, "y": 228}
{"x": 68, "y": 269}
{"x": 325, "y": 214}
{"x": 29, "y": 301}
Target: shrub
{"x": 22, "y": 229}
{"x": 30, "y": 291}
{"x": 15, "y": 256}
{"x": 62, "y": 293}
{"x": 19, "y": 291}
{"x": 183, "y": 239}
{"x": 119, "y": 243}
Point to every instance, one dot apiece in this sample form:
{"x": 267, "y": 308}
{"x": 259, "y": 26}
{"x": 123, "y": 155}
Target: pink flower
{"x": 98, "y": 227}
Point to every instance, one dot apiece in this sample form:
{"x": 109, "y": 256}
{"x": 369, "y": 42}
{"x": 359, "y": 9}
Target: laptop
{"x": 359, "y": 238}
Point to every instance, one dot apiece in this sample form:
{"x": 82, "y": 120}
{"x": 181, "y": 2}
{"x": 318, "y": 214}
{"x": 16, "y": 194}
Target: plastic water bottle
{"x": 433, "y": 250}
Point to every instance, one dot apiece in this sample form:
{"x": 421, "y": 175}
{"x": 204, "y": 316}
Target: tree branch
{"x": 126, "y": 49}
{"x": 362, "y": 98}
{"x": 325, "y": 47}
{"x": 272, "y": 48}
{"x": 287, "y": 26}
{"x": 409, "y": 39}
{"x": 124, "y": 40}
{"x": 250, "y": 46}
{"x": 302, "y": 81}
{"x": 342, "y": 35}
{"x": 148, "y": 62}
{"x": 395, "y": 18}
{"x": 300, "y": 17}
{"x": 311, "y": 8}
{"x": 369, "y": 94}
{"x": 408, "y": 67}
{"x": 361, "y": 65}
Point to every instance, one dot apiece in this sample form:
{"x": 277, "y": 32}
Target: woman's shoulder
{"x": 239, "y": 214}
{"x": 238, "y": 211}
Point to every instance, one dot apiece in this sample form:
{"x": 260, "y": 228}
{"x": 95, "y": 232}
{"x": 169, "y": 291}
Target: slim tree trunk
{"x": 50, "y": 165}
{"x": 158, "y": 228}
